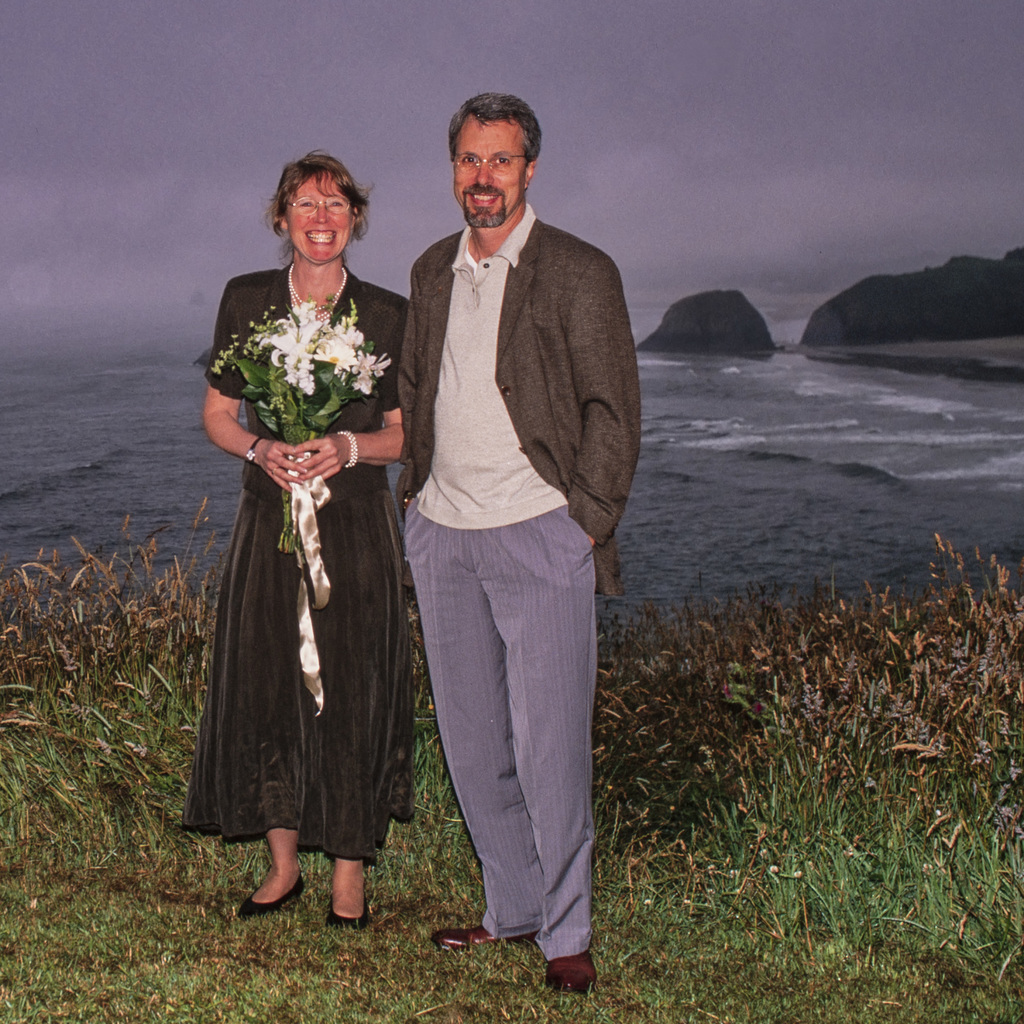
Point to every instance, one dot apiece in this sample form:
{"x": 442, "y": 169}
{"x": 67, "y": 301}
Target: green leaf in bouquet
{"x": 320, "y": 423}
{"x": 296, "y": 433}
{"x": 316, "y": 401}
{"x": 323, "y": 373}
{"x": 256, "y": 374}
{"x": 333, "y": 405}
{"x": 268, "y": 416}
{"x": 291, "y": 406}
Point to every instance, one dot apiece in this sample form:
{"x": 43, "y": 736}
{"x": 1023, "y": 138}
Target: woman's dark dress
{"x": 263, "y": 758}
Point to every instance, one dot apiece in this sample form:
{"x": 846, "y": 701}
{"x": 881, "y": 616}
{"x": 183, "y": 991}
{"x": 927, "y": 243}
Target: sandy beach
{"x": 1008, "y": 350}
{"x": 980, "y": 359}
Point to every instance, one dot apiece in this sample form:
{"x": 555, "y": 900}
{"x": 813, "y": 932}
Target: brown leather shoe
{"x": 574, "y": 973}
{"x": 458, "y": 939}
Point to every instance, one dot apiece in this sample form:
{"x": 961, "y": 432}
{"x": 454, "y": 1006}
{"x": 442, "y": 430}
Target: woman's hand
{"x": 328, "y": 455}
{"x": 286, "y": 464}
{"x": 323, "y": 456}
{"x": 279, "y": 461}
{"x": 220, "y": 418}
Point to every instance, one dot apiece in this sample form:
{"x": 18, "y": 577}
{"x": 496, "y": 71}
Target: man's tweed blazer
{"x": 566, "y": 368}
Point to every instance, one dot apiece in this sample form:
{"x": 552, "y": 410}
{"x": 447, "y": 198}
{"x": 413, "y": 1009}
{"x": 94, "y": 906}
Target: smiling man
{"x": 521, "y": 402}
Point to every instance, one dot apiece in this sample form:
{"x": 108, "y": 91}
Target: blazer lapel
{"x": 437, "y": 300}
{"x": 517, "y": 287}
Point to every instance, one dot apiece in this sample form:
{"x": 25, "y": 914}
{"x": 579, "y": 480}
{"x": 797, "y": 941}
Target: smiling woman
{"x": 306, "y": 735}
{"x": 318, "y": 224}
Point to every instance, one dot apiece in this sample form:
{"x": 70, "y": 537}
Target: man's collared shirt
{"x": 479, "y": 475}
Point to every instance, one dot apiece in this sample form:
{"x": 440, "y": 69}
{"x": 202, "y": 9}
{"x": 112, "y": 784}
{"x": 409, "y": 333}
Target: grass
{"x": 807, "y": 810}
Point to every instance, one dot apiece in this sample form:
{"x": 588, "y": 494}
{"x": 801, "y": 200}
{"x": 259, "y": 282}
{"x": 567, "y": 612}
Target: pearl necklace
{"x": 323, "y": 309}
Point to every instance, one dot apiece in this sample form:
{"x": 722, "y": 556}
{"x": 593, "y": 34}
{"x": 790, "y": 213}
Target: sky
{"x": 786, "y": 148}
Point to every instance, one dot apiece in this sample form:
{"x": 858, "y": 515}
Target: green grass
{"x": 807, "y": 810}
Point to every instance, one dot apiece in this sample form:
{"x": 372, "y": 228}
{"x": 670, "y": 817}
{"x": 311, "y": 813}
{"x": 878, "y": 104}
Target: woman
{"x": 265, "y": 762}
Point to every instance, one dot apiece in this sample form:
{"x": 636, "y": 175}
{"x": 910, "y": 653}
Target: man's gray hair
{"x": 498, "y": 106}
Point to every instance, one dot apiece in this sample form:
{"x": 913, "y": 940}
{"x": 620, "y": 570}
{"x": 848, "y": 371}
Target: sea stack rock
{"x": 712, "y": 323}
{"x": 968, "y": 297}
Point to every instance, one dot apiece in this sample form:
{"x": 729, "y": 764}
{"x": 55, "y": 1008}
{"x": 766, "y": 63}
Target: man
{"x": 521, "y": 406}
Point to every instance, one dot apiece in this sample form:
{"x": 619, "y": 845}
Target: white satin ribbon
{"x": 307, "y": 500}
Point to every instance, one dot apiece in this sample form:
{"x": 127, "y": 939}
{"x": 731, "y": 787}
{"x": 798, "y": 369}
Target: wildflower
{"x": 813, "y": 704}
{"x": 1006, "y": 818}
{"x": 367, "y": 369}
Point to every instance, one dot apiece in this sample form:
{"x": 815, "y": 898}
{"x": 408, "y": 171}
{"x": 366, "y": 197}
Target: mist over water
{"x": 777, "y": 471}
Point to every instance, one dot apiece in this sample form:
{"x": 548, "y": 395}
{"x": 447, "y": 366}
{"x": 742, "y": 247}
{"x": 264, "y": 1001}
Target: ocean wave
{"x": 723, "y": 443}
{"x": 723, "y": 426}
{"x": 923, "y": 404}
{"x": 835, "y": 434}
{"x": 852, "y": 392}
{"x": 945, "y": 439}
{"x": 1009, "y": 469}
{"x": 661, "y": 360}
{"x": 829, "y": 426}
{"x": 763, "y": 456}
{"x": 86, "y": 474}
{"x": 863, "y": 471}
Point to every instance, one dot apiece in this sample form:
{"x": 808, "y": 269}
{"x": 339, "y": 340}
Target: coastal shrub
{"x": 829, "y": 766}
{"x": 812, "y": 772}
{"x": 102, "y": 668}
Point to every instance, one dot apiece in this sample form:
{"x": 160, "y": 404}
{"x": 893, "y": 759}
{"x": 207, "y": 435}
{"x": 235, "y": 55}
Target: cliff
{"x": 969, "y": 297}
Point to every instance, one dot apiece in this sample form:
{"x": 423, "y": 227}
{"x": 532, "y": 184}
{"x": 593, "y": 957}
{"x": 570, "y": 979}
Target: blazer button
{"x": 505, "y": 390}
{"x": 407, "y": 499}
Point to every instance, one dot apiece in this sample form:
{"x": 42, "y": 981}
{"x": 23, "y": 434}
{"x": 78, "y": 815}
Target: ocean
{"x": 778, "y": 472}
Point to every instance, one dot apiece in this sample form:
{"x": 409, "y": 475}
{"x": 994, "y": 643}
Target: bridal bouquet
{"x": 300, "y": 372}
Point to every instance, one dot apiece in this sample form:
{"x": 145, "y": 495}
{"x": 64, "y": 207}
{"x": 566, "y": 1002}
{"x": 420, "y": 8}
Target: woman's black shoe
{"x": 250, "y": 908}
{"x": 337, "y": 921}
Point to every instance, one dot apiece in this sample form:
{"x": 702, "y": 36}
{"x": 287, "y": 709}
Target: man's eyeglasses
{"x": 332, "y": 207}
{"x": 500, "y": 163}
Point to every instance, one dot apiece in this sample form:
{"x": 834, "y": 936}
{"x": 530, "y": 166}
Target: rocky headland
{"x": 712, "y": 323}
{"x": 967, "y": 298}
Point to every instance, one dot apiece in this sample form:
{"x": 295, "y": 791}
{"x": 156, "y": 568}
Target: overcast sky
{"x": 783, "y": 147}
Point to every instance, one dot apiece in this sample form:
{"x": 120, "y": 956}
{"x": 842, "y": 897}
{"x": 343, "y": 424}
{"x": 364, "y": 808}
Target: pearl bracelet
{"x": 353, "y": 448}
